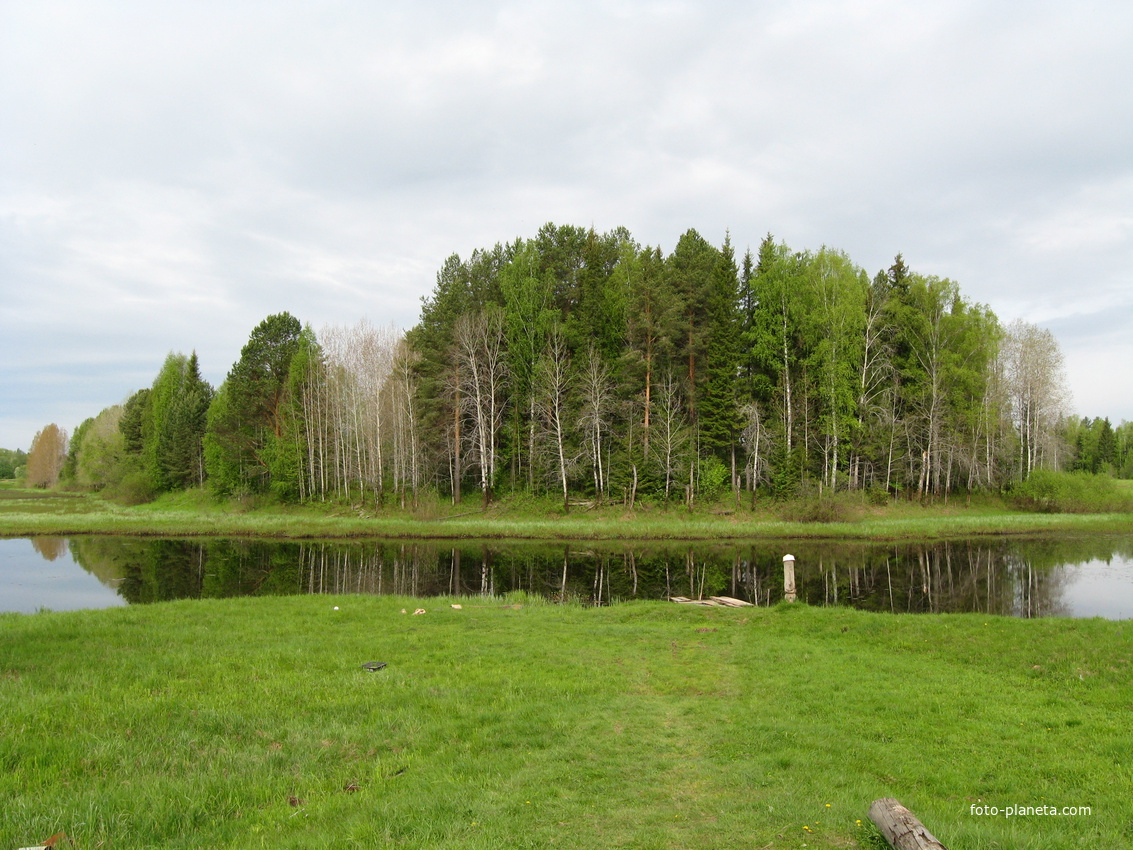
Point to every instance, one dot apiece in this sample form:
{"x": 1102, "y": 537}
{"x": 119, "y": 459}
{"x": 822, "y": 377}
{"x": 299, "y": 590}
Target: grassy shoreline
{"x": 26, "y": 513}
{"x": 514, "y": 723}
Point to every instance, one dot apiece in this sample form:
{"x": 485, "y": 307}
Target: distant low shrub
{"x": 425, "y": 503}
{"x": 877, "y": 495}
{"x": 1047, "y": 491}
{"x": 245, "y": 502}
{"x": 549, "y": 502}
{"x": 133, "y": 488}
{"x": 824, "y": 507}
{"x": 714, "y": 478}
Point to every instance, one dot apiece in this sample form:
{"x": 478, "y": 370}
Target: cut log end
{"x": 901, "y": 827}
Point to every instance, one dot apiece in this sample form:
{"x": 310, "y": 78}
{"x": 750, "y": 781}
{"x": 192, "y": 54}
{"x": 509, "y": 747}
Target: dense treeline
{"x": 587, "y": 363}
{"x": 12, "y": 463}
{"x": 591, "y": 367}
{"x": 1099, "y": 448}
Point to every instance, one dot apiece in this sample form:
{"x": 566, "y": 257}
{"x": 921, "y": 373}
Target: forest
{"x": 589, "y": 368}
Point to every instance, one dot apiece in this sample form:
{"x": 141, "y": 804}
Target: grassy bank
{"x": 31, "y": 512}
{"x": 250, "y": 723}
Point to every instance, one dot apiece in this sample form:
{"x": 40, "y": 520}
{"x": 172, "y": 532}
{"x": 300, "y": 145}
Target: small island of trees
{"x": 591, "y": 368}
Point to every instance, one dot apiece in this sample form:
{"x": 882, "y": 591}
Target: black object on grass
{"x": 374, "y": 666}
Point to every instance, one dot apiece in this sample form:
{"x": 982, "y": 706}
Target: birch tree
{"x": 1037, "y": 389}
{"x": 479, "y": 344}
{"x": 527, "y": 317}
{"x": 836, "y": 338}
{"x": 670, "y": 444}
{"x": 552, "y": 388}
{"x": 407, "y": 450}
{"x": 597, "y": 397}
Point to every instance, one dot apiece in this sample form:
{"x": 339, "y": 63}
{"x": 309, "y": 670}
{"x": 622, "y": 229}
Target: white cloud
{"x": 173, "y": 173}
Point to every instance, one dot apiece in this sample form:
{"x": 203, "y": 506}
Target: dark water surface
{"x": 1089, "y": 576}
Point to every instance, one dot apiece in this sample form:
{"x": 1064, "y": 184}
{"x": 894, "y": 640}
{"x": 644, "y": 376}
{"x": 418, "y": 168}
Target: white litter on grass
{"x": 457, "y": 607}
{"x": 335, "y": 607}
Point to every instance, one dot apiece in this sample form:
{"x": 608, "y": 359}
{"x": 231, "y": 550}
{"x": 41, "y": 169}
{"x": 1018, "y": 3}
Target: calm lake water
{"x": 1065, "y": 577}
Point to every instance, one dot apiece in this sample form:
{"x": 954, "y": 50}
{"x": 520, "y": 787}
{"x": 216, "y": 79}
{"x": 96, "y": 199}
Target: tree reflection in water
{"x": 1023, "y": 578}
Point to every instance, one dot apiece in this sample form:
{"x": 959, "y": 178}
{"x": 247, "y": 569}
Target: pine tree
{"x": 438, "y": 381}
{"x": 243, "y": 451}
{"x": 131, "y": 423}
{"x": 691, "y": 268}
{"x": 654, "y": 313}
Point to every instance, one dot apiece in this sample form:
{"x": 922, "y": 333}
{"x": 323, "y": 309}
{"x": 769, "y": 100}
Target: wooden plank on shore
{"x": 901, "y": 827}
{"x": 684, "y": 600}
{"x": 712, "y": 601}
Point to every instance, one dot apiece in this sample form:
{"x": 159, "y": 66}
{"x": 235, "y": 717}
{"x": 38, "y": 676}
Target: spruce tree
{"x": 180, "y": 441}
{"x": 719, "y": 413}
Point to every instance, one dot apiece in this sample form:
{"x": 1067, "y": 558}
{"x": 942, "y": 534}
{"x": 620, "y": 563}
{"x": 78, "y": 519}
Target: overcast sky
{"x": 172, "y": 173}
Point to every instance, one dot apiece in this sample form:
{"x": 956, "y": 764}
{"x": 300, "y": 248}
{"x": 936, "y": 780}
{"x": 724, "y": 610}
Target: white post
{"x": 789, "y": 592}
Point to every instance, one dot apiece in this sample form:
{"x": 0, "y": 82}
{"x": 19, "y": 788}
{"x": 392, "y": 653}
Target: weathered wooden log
{"x": 901, "y": 827}
{"x": 712, "y": 601}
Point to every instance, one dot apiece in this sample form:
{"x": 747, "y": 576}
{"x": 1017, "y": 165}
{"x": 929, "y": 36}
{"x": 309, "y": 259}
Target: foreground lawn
{"x": 25, "y": 513}
{"x": 513, "y": 723}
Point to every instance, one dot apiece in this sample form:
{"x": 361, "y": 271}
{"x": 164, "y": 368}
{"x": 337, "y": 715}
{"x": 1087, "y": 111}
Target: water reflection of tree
{"x": 973, "y": 576}
{"x": 991, "y": 576}
{"x": 50, "y": 548}
{"x": 1038, "y": 590}
{"x": 108, "y": 558}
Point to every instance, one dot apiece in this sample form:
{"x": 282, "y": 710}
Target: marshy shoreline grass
{"x": 29, "y": 513}
{"x": 511, "y": 722}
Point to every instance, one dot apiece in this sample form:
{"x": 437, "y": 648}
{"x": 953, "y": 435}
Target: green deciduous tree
{"x": 836, "y": 335}
{"x": 12, "y": 461}
{"x": 101, "y": 452}
{"x": 527, "y": 315}
{"x": 69, "y": 473}
{"x": 771, "y": 340}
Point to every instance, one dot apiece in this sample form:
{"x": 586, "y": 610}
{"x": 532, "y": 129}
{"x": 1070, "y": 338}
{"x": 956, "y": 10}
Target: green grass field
{"x": 515, "y": 723}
